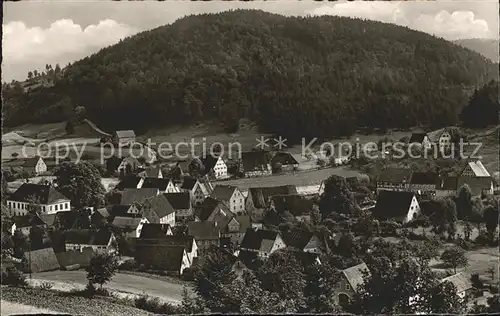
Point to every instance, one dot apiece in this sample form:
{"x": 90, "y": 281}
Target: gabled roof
{"x": 189, "y": 183}
{"x": 354, "y": 275}
{"x": 183, "y": 166}
{"x": 393, "y": 204}
{"x": 125, "y": 134}
{"x": 203, "y": 230}
{"x": 168, "y": 257}
{"x": 417, "y": 137}
{"x": 103, "y": 212}
{"x": 156, "y": 183}
{"x": 152, "y": 171}
{"x": 130, "y": 182}
{"x": 261, "y": 195}
{"x": 44, "y": 194}
{"x": 72, "y": 219}
{"x": 395, "y": 175}
{"x": 284, "y": 158}
{"x": 296, "y": 204}
{"x": 27, "y": 221}
{"x": 255, "y": 160}
{"x": 173, "y": 240}
{"x": 447, "y": 183}
{"x": 298, "y": 239}
{"x": 259, "y": 240}
{"x": 160, "y": 205}
{"x": 461, "y": 281}
{"x": 209, "y": 163}
{"x": 87, "y": 237}
{"x": 305, "y": 258}
{"x": 245, "y": 222}
{"x": 126, "y": 222}
{"x": 179, "y": 201}
{"x": 424, "y": 178}
{"x": 250, "y": 259}
{"x": 154, "y": 230}
{"x": 478, "y": 169}
{"x": 131, "y": 196}
{"x": 223, "y": 192}
{"x": 31, "y": 162}
{"x": 48, "y": 219}
{"x": 206, "y": 208}
{"x": 43, "y": 260}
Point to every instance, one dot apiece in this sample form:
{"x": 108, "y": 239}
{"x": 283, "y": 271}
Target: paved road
{"x": 121, "y": 282}
{"x": 9, "y": 308}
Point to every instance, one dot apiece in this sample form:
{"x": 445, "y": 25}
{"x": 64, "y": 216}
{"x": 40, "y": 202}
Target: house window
{"x": 347, "y": 287}
{"x": 56, "y": 207}
{"x": 67, "y": 206}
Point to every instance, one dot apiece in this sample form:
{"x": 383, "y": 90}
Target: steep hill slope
{"x": 315, "y": 76}
{"x": 485, "y": 47}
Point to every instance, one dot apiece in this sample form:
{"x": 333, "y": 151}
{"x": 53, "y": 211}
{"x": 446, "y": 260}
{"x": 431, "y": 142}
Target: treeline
{"x": 296, "y": 76}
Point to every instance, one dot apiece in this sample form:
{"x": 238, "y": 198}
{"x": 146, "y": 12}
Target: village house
{"x": 441, "y": 138}
{"x": 180, "y": 170}
{"x": 214, "y": 167}
{"x": 155, "y": 231}
{"x": 462, "y": 283}
{"x": 236, "y": 228}
{"x": 181, "y": 203}
{"x": 422, "y": 139}
{"x": 475, "y": 175}
{"x": 284, "y": 161}
{"x": 128, "y": 166}
{"x": 206, "y": 234}
{"x": 101, "y": 241}
{"x": 424, "y": 182}
{"x": 231, "y": 196}
{"x": 351, "y": 280}
{"x": 160, "y": 256}
{"x": 263, "y": 242}
{"x": 151, "y": 172}
{"x": 164, "y": 185}
{"x": 197, "y": 191}
{"x": 304, "y": 241}
{"x": 446, "y": 186}
{"x": 35, "y": 165}
{"x": 99, "y": 218}
{"x": 130, "y": 182}
{"x": 132, "y": 196}
{"x": 130, "y": 226}
{"x": 158, "y": 210}
{"x": 394, "y": 179}
{"x": 67, "y": 220}
{"x": 297, "y": 205}
{"x": 256, "y": 164}
{"x": 44, "y": 197}
{"x": 209, "y": 208}
{"x": 188, "y": 242}
{"x": 124, "y": 138}
{"x": 312, "y": 189}
{"x": 25, "y": 223}
{"x": 400, "y": 206}
{"x": 259, "y": 199}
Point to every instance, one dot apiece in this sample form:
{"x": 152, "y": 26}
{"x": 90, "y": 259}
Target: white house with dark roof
{"x": 46, "y": 197}
{"x": 131, "y": 196}
{"x": 35, "y": 165}
{"x": 131, "y": 226}
{"x": 396, "y": 205}
{"x": 158, "y": 210}
{"x": 152, "y": 172}
{"x": 181, "y": 202}
{"x": 231, "y": 196}
{"x": 462, "y": 283}
{"x": 124, "y": 138}
{"x": 197, "y": 190}
{"x": 214, "y": 167}
{"x": 164, "y": 185}
{"x": 102, "y": 240}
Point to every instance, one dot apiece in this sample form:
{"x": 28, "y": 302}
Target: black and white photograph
{"x": 250, "y": 157}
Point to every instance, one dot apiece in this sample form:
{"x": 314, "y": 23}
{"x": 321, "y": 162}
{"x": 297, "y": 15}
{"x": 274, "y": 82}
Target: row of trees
{"x": 483, "y": 107}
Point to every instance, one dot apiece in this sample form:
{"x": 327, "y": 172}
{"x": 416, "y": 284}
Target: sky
{"x": 37, "y": 33}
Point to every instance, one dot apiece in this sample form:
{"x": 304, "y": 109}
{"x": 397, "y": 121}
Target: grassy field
{"x": 298, "y": 178}
{"x": 65, "y": 303}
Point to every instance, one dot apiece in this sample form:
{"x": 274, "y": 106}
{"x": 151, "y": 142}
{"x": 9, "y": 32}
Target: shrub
{"x": 13, "y": 277}
{"x": 154, "y": 305}
{"x": 45, "y": 286}
{"x": 494, "y": 289}
{"x": 129, "y": 265}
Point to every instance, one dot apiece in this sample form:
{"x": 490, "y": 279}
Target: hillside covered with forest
{"x": 297, "y": 76}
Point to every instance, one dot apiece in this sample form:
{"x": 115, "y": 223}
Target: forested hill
{"x": 485, "y": 47}
{"x": 314, "y": 76}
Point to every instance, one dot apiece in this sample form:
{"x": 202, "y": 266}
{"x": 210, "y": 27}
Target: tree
{"x": 101, "y": 269}
{"x": 483, "y": 107}
{"x": 443, "y": 214}
{"x": 81, "y": 183}
{"x": 337, "y": 197}
{"x": 80, "y": 113}
{"x": 492, "y": 270}
{"x": 444, "y": 300}
{"x": 321, "y": 281}
{"x": 454, "y": 257}
{"x": 464, "y": 202}
{"x": 490, "y": 218}
{"x": 70, "y": 127}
